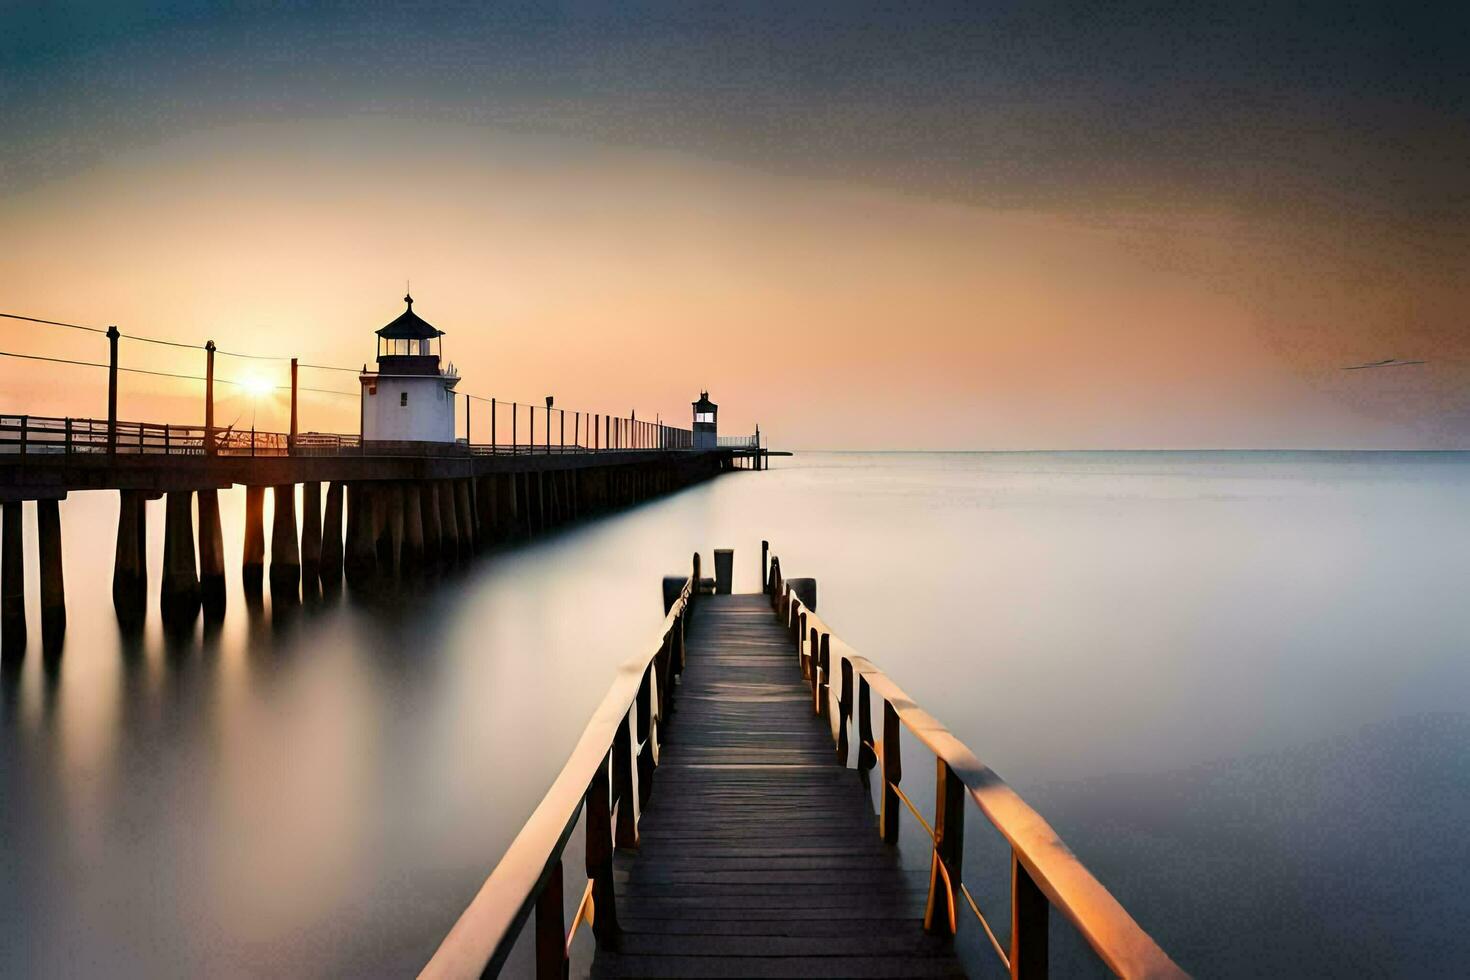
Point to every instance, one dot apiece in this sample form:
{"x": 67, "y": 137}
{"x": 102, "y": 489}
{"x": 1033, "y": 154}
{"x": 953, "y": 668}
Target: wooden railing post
{"x": 600, "y": 860}
{"x": 694, "y": 586}
{"x": 892, "y": 773}
{"x": 68, "y": 437}
{"x": 622, "y": 776}
{"x": 801, "y": 652}
{"x": 551, "y": 928}
{"x": 824, "y": 672}
{"x": 844, "y": 711}
{"x": 813, "y": 655}
{"x": 947, "y": 863}
{"x": 24, "y": 419}
{"x": 652, "y": 676}
{"x": 866, "y": 757}
{"x": 677, "y": 661}
{"x": 1029, "y": 911}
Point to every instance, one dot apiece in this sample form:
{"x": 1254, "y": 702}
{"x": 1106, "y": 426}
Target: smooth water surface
{"x": 1236, "y": 683}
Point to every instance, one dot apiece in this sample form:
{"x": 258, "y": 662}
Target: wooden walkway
{"x": 759, "y": 855}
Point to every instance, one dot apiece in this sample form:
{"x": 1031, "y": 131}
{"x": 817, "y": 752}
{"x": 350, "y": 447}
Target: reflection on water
{"x": 1236, "y": 683}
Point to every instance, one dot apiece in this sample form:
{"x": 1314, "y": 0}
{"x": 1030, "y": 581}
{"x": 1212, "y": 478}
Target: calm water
{"x": 1238, "y": 685}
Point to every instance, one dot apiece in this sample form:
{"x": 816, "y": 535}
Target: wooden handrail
{"x": 32, "y": 434}
{"x": 1039, "y": 855}
{"x": 482, "y": 938}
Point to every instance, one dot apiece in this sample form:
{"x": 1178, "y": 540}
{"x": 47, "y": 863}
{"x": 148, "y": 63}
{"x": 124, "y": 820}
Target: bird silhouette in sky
{"x": 1386, "y": 362}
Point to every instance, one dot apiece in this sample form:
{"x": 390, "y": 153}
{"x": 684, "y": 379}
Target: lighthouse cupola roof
{"x": 409, "y": 326}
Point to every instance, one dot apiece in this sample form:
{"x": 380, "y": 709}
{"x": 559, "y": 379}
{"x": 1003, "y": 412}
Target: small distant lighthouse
{"x": 409, "y": 398}
{"x": 706, "y": 432}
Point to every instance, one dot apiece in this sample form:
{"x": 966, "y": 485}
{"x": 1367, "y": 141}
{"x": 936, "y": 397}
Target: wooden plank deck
{"x": 759, "y": 855}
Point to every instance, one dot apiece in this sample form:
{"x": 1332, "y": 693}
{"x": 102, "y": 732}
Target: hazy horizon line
{"x": 997, "y": 452}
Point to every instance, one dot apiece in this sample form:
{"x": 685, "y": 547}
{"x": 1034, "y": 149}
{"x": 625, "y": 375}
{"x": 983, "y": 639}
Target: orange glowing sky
{"x": 835, "y": 308}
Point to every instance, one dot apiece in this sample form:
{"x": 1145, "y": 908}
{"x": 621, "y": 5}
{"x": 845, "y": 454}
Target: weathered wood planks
{"x": 759, "y": 855}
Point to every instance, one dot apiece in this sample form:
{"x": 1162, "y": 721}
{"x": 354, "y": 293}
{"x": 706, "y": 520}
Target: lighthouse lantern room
{"x": 409, "y": 398}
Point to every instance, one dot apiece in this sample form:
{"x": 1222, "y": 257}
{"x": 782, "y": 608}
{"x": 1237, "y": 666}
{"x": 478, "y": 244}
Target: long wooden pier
{"x": 733, "y": 836}
{"x": 388, "y": 510}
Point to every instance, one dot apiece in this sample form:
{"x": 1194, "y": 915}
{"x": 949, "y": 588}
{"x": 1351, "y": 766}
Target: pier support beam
{"x": 12, "y": 581}
{"x": 413, "y": 528}
{"x": 130, "y": 559}
{"x": 285, "y": 552}
{"x": 485, "y": 510}
{"x": 252, "y": 566}
{"x": 179, "y": 595}
{"x": 449, "y": 544}
{"x": 393, "y": 499}
{"x": 362, "y": 534}
{"x": 507, "y": 516}
{"x": 428, "y": 499}
{"x": 211, "y": 555}
{"x": 466, "y": 517}
{"x": 311, "y": 531}
{"x": 53, "y": 580}
{"x": 330, "y": 569}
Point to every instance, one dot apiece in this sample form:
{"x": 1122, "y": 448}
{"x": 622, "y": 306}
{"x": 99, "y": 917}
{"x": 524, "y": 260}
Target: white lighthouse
{"x": 409, "y": 398}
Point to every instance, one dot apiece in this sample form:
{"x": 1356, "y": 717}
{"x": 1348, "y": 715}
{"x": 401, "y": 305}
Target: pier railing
{"x": 27, "y": 435}
{"x": 36, "y": 435}
{"x": 623, "y": 735}
{"x": 1045, "y": 874}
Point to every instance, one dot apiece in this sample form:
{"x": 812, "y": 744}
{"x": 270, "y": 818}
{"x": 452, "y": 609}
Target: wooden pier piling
{"x": 428, "y": 498}
{"x": 130, "y": 559}
{"x": 311, "y": 531}
{"x": 466, "y": 516}
{"x": 12, "y": 580}
{"x": 330, "y": 569}
{"x": 211, "y": 555}
{"x": 53, "y": 580}
{"x": 362, "y": 536}
{"x": 179, "y": 590}
{"x": 393, "y": 501}
{"x": 449, "y": 543}
{"x": 412, "y": 509}
{"x": 285, "y": 547}
{"x": 252, "y": 564}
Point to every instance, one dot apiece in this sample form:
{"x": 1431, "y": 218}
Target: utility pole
{"x": 209, "y": 446}
{"x": 112, "y": 335}
{"x": 291, "y": 440}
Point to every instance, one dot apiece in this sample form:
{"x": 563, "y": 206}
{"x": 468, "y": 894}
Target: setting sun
{"x": 256, "y": 386}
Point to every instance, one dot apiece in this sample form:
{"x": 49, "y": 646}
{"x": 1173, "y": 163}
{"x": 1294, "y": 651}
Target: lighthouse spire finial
{"x": 408, "y": 294}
